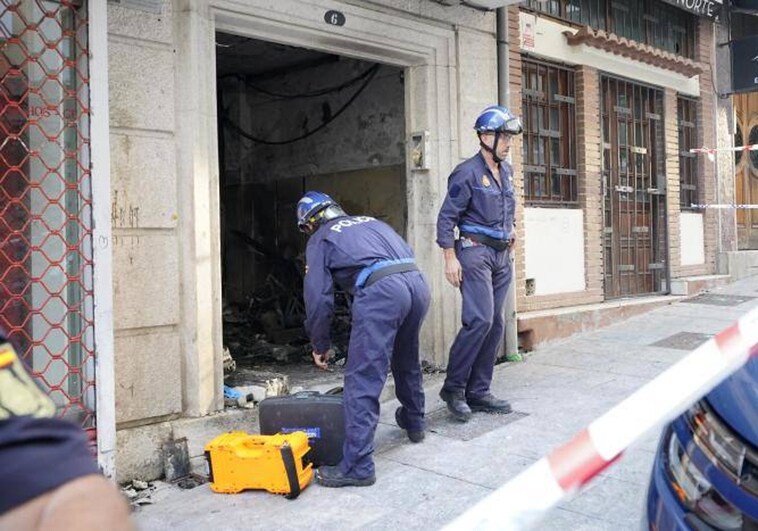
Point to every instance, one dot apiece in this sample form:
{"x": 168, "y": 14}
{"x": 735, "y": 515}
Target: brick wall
{"x": 589, "y": 166}
{"x": 589, "y": 145}
{"x": 514, "y": 71}
{"x": 589, "y": 193}
{"x": 671, "y": 137}
{"x": 706, "y": 127}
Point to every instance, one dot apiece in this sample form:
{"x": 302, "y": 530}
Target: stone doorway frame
{"x": 427, "y": 52}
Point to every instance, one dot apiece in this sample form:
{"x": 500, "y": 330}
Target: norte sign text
{"x": 703, "y": 8}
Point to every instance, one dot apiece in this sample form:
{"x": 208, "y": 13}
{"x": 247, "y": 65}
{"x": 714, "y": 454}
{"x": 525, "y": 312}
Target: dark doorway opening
{"x": 291, "y": 120}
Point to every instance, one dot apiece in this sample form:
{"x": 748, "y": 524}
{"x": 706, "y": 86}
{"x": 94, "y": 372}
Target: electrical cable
{"x": 313, "y": 94}
{"x": 228, "y": 122}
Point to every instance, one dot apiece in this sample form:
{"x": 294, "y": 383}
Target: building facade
{"x": 138, "y": 135}
{"x": 614, "y": 97}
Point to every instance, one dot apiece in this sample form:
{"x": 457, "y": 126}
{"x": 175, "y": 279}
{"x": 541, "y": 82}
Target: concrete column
{"x": 143, "y": 212}
{"x": 725, "y": 131}
{"x": 707, "y": 125}
{"x": 199, "y": 225}
{"x": 425, "y": 191}
{"x": 102, "y": 239}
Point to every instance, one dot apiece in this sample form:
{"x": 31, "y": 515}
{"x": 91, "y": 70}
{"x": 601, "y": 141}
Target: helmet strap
{"x": 492, "y": 150}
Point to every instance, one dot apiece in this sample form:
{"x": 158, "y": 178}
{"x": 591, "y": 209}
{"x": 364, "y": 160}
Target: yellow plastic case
{"x": 238, "y": 461}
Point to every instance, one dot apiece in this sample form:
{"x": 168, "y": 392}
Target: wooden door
{"x": 746, "y": 168}
{"x": 634, "y": 189}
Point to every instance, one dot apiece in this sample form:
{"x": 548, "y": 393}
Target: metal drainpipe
{"x": 503, "y": 93}
{"x": 717, "y": 164}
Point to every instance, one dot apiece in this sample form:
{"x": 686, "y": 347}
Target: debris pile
{"x": 252, "y": 386}
{"x": 430, "y": 368}
{"x": 236, "y": 398}
{"x": 229, "y": 364}
{"x": 139, "y": 492}
{"x": 270, "y": 329}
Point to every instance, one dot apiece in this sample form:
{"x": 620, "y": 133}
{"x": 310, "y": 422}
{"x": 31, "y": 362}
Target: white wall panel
{"x": 692, "y": 238}
{"x": 554, "y": 249}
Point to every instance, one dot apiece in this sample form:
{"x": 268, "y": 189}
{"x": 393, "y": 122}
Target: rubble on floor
{"x": 429, "y": 368}
{"x": 229, "y": 364}
{"x": 270, "y": 329}
{"x": 238, "y": 397}
{"x": 252, "y": 386}
{"x": 139, "y": 492}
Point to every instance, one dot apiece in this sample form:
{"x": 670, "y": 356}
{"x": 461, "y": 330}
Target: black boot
{"x": 456, "y": 404}
{"x": 331, "y": 476}
{"x": 489, "y": 404}
{"x": 414, "y": 436}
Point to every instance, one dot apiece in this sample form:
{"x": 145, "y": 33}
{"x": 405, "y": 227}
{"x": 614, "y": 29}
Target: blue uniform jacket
{"x": 38, "y": 453}
{"x": 475, "y": 202}
{"x": 337, "y": 252}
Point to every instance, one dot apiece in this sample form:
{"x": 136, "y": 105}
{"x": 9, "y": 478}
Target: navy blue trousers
{"x": 486, "y": 275}
{"x": 386, "y": 321}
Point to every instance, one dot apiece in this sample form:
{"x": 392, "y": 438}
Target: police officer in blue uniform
{"x": 368, "y": 260}
{"x": 480, "y": 203}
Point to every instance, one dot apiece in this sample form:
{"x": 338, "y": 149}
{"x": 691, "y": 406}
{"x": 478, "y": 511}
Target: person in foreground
{"x": 367, "y": 259}
{"x": 50, "y": 480}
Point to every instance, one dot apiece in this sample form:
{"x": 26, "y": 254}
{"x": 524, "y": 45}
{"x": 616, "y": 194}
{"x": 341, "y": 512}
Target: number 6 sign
{"x": 334, "y": 18}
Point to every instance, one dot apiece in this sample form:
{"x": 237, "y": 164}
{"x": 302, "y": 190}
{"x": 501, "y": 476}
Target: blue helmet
{"x": 498, "y": 119}
{"x": 310, "y": 205}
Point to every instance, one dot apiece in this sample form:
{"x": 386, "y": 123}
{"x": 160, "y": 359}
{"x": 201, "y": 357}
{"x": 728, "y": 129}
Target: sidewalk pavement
{"x": 556, "y": 391}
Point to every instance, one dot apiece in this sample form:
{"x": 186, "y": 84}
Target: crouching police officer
{"x": 481, "y": 204}
{"x": 367, "y": 259}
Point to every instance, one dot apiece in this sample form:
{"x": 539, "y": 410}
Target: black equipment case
{"x": 319, "y": 415}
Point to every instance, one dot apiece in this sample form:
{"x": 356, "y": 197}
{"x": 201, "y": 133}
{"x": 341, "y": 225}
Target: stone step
{"x": 739, "y": 264}
{"x": 688, "y": 286}
{"x": 547, "y": 325}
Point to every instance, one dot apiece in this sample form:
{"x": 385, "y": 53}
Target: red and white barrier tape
{"x": 713, "y": 151}
{"x": 527, "y": 497}
{"x": 725, "y": 206}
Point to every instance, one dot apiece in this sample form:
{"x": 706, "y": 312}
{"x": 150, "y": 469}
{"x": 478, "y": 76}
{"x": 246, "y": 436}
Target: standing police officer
{"x": 481, "y": 204}
{"x": 367, "y": 259}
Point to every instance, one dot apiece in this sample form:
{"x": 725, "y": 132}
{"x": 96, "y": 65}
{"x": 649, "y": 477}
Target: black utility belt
{"x": 498, "y": 245}
{"x": 387, "y": 271}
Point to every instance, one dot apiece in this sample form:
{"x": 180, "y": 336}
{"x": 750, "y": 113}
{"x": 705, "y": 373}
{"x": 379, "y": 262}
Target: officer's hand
{"x": 453, "y": 270}
{"x": 513, "y": 240}
{"x": 322, "y": 360}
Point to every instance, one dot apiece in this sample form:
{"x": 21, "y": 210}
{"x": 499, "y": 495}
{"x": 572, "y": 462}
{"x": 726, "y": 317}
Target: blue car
{"x": 705, "y": 474}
